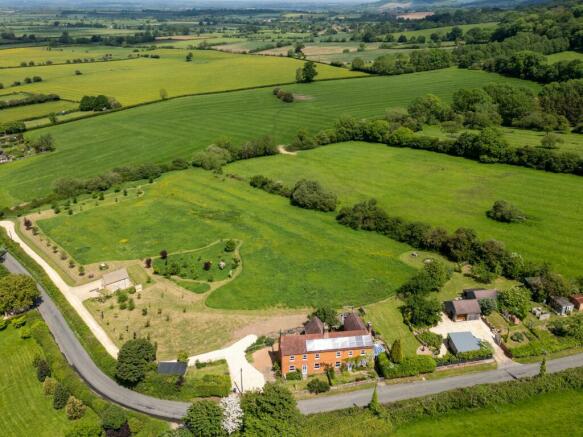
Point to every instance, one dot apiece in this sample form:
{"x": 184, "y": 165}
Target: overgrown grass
{"x": 446, "y": 191}
{"x": 291, "y": 257}
{"x": 176, "y": 128}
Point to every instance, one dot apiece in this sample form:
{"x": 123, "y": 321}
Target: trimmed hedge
{"x": 410, "y": 366}
{"x": 483, "y": 354}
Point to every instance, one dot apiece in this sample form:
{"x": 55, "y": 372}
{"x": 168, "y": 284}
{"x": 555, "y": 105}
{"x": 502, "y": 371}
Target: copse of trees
{"x": 431, "y": 278}
{"x": 403, "y": 63}
{"x": 310, "y": 195}
{"x": 503, "y": 211}
{"x": 98, "y": 103}
{"x": 225, "y": 151}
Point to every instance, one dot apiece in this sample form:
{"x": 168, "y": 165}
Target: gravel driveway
{"x": 479, "y": 329}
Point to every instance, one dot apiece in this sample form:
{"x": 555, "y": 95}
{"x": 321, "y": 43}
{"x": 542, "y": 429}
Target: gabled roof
{"x": 480, "y": 293}
{"x": 576, "y": 299}
{"x": 298, "y": 344}
{"x": 464, "y": 341}
{"x": 466, "y": 306}
{"x": 353, "y": 323}
{"x": 172, "y": 368}
{"x": 116, "y": 276}
{"x": 562, "y": 301}
{"x": 314, "y": 326}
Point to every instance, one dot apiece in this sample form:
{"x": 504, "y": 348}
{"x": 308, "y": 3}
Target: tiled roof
{"x": 353, "y": 323}
{"x": 466, "y": 306}
{"x": 314, "y": 326}
{"x": 296, "y": 344}
{"x": 116, "y": 276}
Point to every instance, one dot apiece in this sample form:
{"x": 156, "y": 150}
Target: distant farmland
{"x": 140, "y": 80}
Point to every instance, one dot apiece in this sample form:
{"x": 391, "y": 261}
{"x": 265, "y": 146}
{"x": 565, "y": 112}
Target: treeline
{"x": 119, "y": 40}
{"x": 534, "y": 66}
{"x": 224, "y": 151}
{"x": 487, "y": 146}
{"x": 28, "y": 100}
{"x": 391, "y": 64}
{"x": 71, "y": 187}
{"x": 461, "y": 246}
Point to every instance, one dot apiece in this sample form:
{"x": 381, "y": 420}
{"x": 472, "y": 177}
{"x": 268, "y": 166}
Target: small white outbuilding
{"x": 117, "y": 280}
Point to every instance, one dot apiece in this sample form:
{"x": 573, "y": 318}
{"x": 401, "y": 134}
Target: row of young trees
{"x": 28, "y": 100}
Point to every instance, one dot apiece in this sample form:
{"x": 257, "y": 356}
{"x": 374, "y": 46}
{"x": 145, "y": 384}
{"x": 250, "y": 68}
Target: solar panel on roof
{"x": 324, "y": 344}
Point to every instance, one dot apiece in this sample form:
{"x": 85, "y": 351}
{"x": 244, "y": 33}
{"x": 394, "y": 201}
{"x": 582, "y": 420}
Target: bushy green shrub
{"x": 3, "y": 324}
{"x": 204, "y": 418}
{"x": 310, "y": 195}
{"x": 18, "y": 322}
{"x": 484, "y": 353}
{"x": 230, "y": 245}
{"x": 432, "y": 340}
{"x": 49, "y": 386}
{"x": 410, "y": 366}
{"x": 317, "y": 385}
{"x": 75, "y": 409}
{"x": 503, "y": 211}
{"x": 60, "y": 397}
{"x": 294, "y": 376}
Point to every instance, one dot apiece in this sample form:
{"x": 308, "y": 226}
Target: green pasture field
{"x": 444, "y": 30}
{"x": 37, "y": 110}
{"x": 446, "y": 191}
{"x": 176, "y": 128}
{"x": 139, "y": 80}
{"x": 291, "y": 257}
{"x": 13, "y": 96}
{"x": 25, "y": 409}
{"x": 571, "y": 142}
{"x": 40, "y": 55}
{"x": 528, "y": 418}
{"x": 565, "y": 56}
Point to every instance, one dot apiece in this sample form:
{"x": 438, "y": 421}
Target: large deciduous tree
{"x": 204, "y": 419}
{"x": 133, "y": 360}
{"x": 272, "y": 412}
{"x": 17, "y": 293}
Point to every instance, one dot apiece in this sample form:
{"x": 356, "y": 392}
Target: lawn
{"x": 176, "y": 128}
{"x": 446, "y": 191}
{"x": 25, "y": 409}
{"x": 532, "y": 418}
{"x": 134, "y": 81}
{"x": 291, "y": 257}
